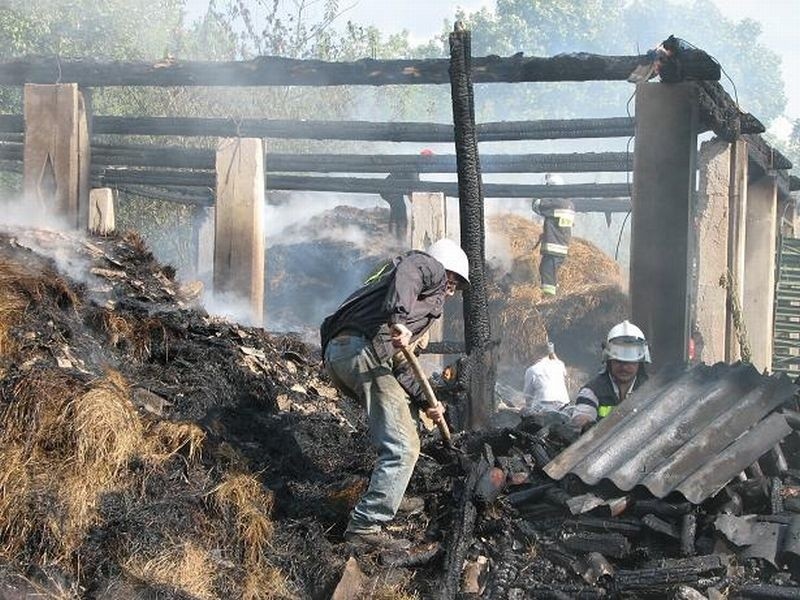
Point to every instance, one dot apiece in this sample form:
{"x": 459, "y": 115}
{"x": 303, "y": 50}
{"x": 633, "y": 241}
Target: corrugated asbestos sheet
{"x": 692, "y": 433}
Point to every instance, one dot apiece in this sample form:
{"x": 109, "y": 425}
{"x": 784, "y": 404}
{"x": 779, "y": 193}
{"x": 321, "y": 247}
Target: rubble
{"x": 148, "y": 449}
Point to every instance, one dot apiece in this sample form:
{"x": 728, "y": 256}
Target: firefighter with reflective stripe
{"x": 559, "y": 216}
{"x": 625, "y": 353}
{"x": 360, "y": 341}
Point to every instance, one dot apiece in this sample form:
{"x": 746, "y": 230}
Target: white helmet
{"x": 452, "y": 257}
{"x": 550, "y": 179}
{"x": 627, "y": 343}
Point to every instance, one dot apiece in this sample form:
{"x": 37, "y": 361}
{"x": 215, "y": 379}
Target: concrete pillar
{"x": 239, "y": 223}
{"x": 737, "y": 215}
{"x": 759, "y": 268}
{"x": 101, "y": 211}
{"x": 428, "y": 224}
{"x": 711, "y": 250}
{"x": 663, "y": 184}
{"x": 57, "y": 155}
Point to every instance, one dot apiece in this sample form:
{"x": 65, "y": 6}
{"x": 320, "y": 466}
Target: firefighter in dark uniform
{"x": 625, "y": 353}
{"x": 559, "y": 216}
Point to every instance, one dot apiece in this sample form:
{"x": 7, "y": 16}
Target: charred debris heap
{"x": 149, "y": 450}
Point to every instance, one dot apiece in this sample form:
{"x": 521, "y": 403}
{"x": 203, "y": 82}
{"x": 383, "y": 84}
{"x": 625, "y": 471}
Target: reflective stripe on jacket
{"x": 600, "y": 393}
{"x": 559, "y": 216}
{"x": 411, "y": 292}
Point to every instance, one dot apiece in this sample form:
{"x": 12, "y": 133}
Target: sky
{"x": 780, "y": 20}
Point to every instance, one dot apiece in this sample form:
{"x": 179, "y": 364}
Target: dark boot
{"x": 377, "y": 541}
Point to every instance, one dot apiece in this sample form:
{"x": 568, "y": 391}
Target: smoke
{"x": 229, "y": 306}
{"x": 300, "y": 207}
{"x": 35, "y": 226}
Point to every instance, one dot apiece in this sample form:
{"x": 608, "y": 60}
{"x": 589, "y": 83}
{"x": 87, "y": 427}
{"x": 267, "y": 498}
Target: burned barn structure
{"x": 689, "y": 490}
{"x": 698, "y": 215}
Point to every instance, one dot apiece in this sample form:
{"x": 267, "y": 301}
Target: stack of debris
{"x": 687, "y": 490}
{"x": 150, "y": 450}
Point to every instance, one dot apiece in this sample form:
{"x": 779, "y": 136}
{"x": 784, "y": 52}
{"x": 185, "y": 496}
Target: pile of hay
{"x": 589, "y": 301}
{"x": 147, "y": 449}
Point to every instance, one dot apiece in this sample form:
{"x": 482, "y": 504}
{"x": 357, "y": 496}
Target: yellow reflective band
{"x": 604, "y": 411}
{"x": 377, "y": 274}
{"x": 551, "y": 248}
{"x": 548, "y": 289}
{"x": 565, "y": 216}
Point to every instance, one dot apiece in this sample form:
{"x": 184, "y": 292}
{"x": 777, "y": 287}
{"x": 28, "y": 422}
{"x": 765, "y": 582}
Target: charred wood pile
{"x": 148, "y": 449}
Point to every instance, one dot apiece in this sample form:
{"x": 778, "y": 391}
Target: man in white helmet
{"x": 625, "y": 353}
{"x": 360, "y": 343}
{"x": 559, "y": 217}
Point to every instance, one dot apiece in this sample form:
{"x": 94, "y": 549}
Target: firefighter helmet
{"x": 452, "y": 257}
{"x": 627, "y": 343}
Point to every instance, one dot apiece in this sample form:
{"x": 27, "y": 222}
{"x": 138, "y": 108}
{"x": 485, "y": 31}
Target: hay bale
{"x": 590, "y": 300}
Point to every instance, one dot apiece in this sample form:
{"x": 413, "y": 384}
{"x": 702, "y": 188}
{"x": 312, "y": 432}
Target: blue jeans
{"x": 357, "y": 371}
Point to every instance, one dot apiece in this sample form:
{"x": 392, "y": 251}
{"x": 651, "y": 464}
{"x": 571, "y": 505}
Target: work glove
{"x": 535, "y": 204}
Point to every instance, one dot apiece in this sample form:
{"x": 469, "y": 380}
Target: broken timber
{"x": 275, "y": 70}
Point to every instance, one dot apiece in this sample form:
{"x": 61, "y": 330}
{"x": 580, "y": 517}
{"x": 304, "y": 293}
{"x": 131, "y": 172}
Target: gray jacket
{"x": 411, "y": 291}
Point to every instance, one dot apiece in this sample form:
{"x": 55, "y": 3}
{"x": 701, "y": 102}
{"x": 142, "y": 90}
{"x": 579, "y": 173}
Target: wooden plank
{"x": 52, "y": 168}
{"x": 239, "y": 224}
{"x": 276, "y": 70}
{"x": 101, "y": 211}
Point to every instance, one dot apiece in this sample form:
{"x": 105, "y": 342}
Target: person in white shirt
{"x": 545, "y": 385}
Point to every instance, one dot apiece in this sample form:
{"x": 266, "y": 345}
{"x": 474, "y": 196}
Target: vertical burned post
{"x": 477, "y": 332}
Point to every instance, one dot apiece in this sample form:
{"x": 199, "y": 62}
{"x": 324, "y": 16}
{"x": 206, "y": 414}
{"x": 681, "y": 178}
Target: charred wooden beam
{"x": 668, "y": 573}
{"x": 721, "y": 114}
{"x": 276, "y": 70}
{"x": 562, "y": 592}
{"x": 477, "y": 328}
{"x": 344, "y": 130}
{"x": 661, "y": 526}
{"x": 609, "y": 544}
{"x": 180, "y": 157}
{"x": 667, "y": 510}
{"x": 169, "y": 195}
{"x": 445, "y": 347}
{"x": 763, "y": 159}
{"x": 621, "y": 526}
{"x": 594, "y": 194}
{"x": 460, "y": 532}
{"x": 688, "y": 534}
{"x": 528, "y": 494}
{"x": 198, "y": 158}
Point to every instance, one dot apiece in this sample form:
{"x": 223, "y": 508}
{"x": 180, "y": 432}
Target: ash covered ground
{"x": 149, "y": 450}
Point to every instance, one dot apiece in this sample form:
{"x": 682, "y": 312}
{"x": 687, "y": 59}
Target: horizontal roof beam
{"x": 206, "y": 198}
{"x": 281, "y": 71}
{"x": 179, "y": 157}
{"x": 358, "y": 185}
{"x": 720, "y": 114}
{"x": 195, "y": 158}
{"x": 399, "y": 131}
